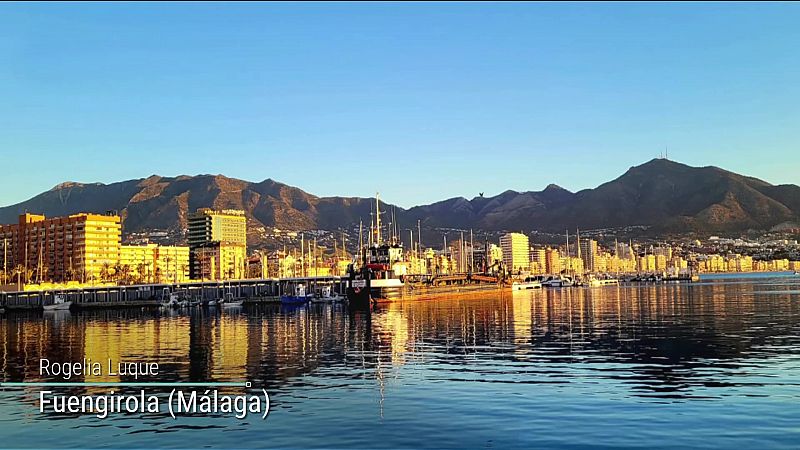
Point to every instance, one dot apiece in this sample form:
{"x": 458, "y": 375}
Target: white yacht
{"x": 558, "y": 281}
{"x": 529, "y": 282}
{"x": 593, "y": 281}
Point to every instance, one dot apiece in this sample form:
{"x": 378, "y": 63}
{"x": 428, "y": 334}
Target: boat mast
{"x": 569, "y": 256}
{"x": 461, "y": 253}
{"x": 360, "y": 240}
{"x": 419, "y": 238}
{"x": 471, "y": 252}
{"x": 378, "y": 218}
{"x": 578, "y": 245}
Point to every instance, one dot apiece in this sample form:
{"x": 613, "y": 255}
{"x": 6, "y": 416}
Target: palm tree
{"x": 125, "y": 273}
{"x": 141, "y": 269}
{"x": 105, "y": 272}
{"x": 18, "y": 272}
{"x": 117, "y": 272}
{"x": 167, "y": 260}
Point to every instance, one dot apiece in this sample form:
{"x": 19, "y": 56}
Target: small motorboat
{"x": 558, "y": 281}
{"x": 298, "y": 297}
{"x": 60, "y": 303}
{"x": 597, "y": 282}
{"x": 172, "y": 301}
{"x": 526, "y": 283}
{"x": 327, "y": 295}
{"x": 230, "y": 301}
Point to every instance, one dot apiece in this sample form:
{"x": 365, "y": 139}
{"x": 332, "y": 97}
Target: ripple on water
{"x": 710, "y": 365}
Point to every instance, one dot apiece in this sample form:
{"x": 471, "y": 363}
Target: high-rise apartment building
{"x": 153, "y": 263}
{"x": 516, "y": 251}
{"x": 207, "y": 226}
{"x": 81, "y": 247}
{"x": 552, "y": 260}
{"x": 217, "y": 244}
{"x": 588, "y": 254}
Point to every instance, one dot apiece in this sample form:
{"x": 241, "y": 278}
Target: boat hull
{"x": 524, "y": 286}
{"x": 293, "y": 300}
{"x": 372, "y": 295}
{"x": 58, "y": 307}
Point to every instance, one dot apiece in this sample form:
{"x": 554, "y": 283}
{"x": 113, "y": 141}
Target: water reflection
{"x": 668, "y": 342}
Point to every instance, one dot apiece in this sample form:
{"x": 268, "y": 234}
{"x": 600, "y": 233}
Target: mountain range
{"x": 665, "y": 196}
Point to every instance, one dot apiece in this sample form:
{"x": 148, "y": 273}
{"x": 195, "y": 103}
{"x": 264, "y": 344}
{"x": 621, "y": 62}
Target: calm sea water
{"x": 714, "y": 364}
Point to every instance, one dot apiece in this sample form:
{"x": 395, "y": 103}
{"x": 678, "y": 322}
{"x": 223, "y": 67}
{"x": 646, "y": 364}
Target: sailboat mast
{"x": 419, "y": 238}
{"x": 471, "y": 251}
{"x": 378, "y": 218}
{"x": 569, "y": 255}
{"x": 360, "y": 239}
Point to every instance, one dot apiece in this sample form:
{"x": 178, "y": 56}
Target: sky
{"x": 420, "y": 101}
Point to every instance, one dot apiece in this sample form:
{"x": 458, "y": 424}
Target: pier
{"x": 143, "y": 295}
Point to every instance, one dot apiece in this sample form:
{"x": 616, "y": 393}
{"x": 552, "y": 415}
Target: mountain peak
{"x": 662, "y": 194}
{"x": 554, "y": 188}
{"x": 662, "y": 163}
{"x": 72, "y": 184}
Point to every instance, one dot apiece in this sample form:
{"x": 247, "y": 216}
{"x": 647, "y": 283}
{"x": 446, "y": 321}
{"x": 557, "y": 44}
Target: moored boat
{"x": 172, "y": 301}
{"x": 60, "y": 303}
{"x": 326, "y": 295}
{"x": 528, "y": 282}
{"x": 380, "y": 273}
{"x": 229, "y": 300}
{"x": 597, "y": 282}
{"x": 298, "y": 297}
{"x": 558, "y": 281}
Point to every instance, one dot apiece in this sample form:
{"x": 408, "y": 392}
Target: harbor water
{"x": 714, "y": 364}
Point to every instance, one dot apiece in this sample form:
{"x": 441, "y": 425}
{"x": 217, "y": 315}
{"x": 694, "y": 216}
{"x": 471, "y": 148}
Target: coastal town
{"x": 86, "y": 249}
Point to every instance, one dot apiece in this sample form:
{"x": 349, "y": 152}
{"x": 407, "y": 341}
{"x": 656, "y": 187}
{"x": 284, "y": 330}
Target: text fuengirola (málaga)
{"x": 179, "y": 403}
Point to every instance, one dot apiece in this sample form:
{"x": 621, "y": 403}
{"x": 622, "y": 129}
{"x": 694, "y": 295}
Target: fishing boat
{"x": 60, "y": 303}
{"x": 381, "y": 273}
{"x": 529, "y": 282}
{"x": 298, "y": 297}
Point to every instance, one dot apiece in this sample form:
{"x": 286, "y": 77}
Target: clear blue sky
{"x": 419, "y": 101}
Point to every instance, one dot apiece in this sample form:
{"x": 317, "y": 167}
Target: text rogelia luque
{"x": 176, "y": 401}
